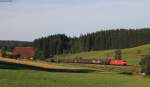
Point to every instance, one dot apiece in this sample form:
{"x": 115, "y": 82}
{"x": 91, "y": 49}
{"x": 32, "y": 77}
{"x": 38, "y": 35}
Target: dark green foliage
{"x": 38, "y": 54}
{"x": 118, "y": 54}
{"x": 74, "y": 45}
{"x": 3, "y": 52}
{"x": 52, "y": 45}
{"x": 145, "y": 64}
{"x": 9, "y": 45}
{"x": 101, "y": 40}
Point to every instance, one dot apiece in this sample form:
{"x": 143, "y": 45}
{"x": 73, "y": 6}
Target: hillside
{"x": 104, "y": 76}
{"x": 132, "y": 55}
{"x": 100, "y": 40}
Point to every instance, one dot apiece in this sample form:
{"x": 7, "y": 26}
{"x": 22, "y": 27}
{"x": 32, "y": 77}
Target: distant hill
{"x": 10, "y": 44}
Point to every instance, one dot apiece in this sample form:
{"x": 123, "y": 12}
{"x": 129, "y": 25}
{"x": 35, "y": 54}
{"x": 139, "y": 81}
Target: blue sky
{"x": 30, "y": 19}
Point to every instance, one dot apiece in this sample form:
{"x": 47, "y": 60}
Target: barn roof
{"x": 24, "y": 51}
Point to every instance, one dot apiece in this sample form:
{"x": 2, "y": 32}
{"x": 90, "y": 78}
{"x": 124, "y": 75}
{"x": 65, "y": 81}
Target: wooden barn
{"x": 24, "y": 52}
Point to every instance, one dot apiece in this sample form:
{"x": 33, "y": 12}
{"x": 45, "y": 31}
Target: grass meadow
{"x": 104, "y": 76}
{"x": 32, "y": 78}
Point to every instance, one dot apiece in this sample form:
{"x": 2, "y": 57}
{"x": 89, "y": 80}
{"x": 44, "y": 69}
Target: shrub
{"x": 3, "y": 53}
{"x": 145, "y": 64}
{"x": 118, "y": 54}
{"x": 38, "y": 54}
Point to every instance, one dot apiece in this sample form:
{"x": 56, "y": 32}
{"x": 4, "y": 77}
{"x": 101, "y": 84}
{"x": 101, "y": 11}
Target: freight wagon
{"x": 104, "y": 61}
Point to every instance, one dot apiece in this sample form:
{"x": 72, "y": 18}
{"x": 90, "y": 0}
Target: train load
{"x": 102, "y": 61}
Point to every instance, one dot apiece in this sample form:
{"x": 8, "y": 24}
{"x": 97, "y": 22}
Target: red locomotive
{"x": 118, "y": 62}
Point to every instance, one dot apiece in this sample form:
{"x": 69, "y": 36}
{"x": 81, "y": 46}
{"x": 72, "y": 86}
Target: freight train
{"x": 103, "y": 61}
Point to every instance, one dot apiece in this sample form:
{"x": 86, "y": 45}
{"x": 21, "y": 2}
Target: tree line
{"x": 100, "y": 40}
{"x": 10, "y": 45}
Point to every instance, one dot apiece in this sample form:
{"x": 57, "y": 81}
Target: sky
{"x": 27, "y": 20}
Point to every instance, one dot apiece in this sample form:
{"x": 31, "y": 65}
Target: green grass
{"x": 130, "y": 54}
{"x": 105, "y": 76}
{"x": 31, "y": 78}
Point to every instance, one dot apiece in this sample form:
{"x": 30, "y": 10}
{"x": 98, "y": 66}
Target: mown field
{"x": 132, "y": 55}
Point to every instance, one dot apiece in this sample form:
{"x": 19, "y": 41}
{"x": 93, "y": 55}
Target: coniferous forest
{"x": 100, "y": 40}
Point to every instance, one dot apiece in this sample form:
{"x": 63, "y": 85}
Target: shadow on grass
{"x": 13, "y": 66}
{"x": 127, "y": 73}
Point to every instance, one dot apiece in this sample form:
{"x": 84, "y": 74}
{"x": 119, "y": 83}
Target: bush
{"x": 118, "y": 54}
{"x": 38, "y": 54}
{"x": 145, "y": 64}
{"x": 3, "y": 53}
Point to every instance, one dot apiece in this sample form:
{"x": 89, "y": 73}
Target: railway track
{"x": 41, "y": 66}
